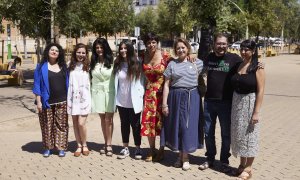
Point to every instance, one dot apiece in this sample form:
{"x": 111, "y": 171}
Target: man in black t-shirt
{"x": 220, "y": 66}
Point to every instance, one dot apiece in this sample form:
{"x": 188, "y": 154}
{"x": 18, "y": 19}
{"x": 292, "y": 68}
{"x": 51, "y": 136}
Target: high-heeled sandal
{"x": 77, "y": 153}
{"x": 85, "y": 153}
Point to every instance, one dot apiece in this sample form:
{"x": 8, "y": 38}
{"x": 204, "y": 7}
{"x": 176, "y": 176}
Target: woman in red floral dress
{"x": 154, "y": 64}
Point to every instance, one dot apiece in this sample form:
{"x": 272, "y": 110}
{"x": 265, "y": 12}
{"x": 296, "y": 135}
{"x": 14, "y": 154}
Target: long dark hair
{"x": 254, "y": 60}
{"x": 61, "y": 55}
{"x": 134, "y": 66}
{"x": 107, "y": 54}
{"x": 74, "y": 60}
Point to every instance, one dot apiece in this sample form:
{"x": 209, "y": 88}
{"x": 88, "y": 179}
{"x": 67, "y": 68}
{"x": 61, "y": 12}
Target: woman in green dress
{"x": 102, "y": 89}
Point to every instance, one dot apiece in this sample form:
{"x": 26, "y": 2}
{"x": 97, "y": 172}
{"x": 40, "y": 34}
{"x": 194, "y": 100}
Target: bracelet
{"x": 164, "y": 106}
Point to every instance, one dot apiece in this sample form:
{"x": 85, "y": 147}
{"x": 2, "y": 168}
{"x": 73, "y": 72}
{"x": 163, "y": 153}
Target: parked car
{"x": 278, "y": 44}
{"x": 236, "y": 45}
{"x": 194, "y": 47}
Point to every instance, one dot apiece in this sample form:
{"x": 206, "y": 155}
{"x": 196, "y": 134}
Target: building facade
{"x": 141, "y": 4}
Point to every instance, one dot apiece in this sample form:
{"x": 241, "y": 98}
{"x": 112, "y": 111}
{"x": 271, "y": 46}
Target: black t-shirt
{"x": 219, "y": 73}
{"x": 57, "y": 84}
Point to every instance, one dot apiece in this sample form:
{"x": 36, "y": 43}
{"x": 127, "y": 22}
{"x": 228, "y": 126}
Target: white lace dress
{"x": 79, "y": 95}
{"x": 244, "y": 135}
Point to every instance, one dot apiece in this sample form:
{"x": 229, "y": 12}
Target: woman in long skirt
{"x": 181, "y": 104}
{"x": 248, "y": 83}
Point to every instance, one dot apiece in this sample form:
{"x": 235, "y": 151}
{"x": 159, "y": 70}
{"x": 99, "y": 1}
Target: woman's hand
{"x": 39, "y": 107}
{"x": 165, "y": 110}
{"x": 255, "y": 117}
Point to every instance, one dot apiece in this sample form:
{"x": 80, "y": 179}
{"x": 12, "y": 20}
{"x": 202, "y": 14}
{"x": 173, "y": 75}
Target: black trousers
{"x": 128, "y": 117}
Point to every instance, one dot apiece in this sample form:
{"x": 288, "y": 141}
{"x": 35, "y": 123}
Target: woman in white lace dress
{"x": 79, "y": 97}
{"x": 248, "y": 83}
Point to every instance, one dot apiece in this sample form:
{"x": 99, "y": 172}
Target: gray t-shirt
{"x": 183, "y": 74}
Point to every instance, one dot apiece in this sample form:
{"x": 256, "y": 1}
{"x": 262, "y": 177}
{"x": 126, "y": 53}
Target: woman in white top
{"x": 79, "y": 97}
{"x": 129, "y": 90}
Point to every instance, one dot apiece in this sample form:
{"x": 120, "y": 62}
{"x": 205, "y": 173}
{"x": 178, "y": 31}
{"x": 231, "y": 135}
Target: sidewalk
{"x": 279, "y": 139}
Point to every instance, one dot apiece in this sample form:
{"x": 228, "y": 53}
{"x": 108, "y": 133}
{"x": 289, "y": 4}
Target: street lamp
{"x": 243, "y": 12}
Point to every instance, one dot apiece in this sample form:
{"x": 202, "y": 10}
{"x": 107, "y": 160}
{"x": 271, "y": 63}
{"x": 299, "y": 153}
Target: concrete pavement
{"x": 21, "y": 145}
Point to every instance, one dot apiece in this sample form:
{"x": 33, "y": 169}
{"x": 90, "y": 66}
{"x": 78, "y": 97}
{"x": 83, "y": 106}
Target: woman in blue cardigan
{"x": 50, "y": 88}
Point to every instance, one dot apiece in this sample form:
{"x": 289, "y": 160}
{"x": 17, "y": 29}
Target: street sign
{"x": 136, "y": 31}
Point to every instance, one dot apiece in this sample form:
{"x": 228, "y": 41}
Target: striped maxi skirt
{"x": 182, "y": 129}
{"x": 54, "y": 126}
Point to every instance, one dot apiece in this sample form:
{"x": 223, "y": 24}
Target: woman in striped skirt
{"x": 181, "y": 104}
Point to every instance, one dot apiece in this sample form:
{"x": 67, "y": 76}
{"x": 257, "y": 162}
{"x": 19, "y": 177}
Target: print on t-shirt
{"x": 218, "y": 66}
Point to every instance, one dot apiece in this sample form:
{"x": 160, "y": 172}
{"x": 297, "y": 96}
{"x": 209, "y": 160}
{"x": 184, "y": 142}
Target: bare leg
{"x": 185, "y": 157}
{"x": 109, "y": 127}
{"x": 76, "y": 130}
{"x": 249, "y": 163}
{"x": 102, "y": 117}
{"x": 151, "y": 142}
{"x": 243, "y": 161}
{"x": 82, "y": 129}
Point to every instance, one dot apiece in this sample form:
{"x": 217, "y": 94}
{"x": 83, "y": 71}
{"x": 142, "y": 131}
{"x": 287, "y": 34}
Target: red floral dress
{"x": 152, "y": 115}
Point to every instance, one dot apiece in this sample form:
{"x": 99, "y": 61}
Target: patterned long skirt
{"x": 54, "y": 126}
{"x": 244, "y": 135}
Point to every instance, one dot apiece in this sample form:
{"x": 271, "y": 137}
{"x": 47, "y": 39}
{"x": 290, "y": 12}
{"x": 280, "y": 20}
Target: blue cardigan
{"x": 41, "y": 84}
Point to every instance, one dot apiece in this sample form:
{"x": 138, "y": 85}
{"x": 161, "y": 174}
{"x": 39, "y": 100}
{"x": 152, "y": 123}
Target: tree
{"x": 166, "y": 27}
{"x": 70, "y": 18}
{"x": 31, "y": 17}
{"x": 147, "y": 21}
{"x": 108, "y": 17}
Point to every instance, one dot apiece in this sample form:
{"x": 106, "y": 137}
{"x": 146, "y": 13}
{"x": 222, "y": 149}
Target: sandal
{"x": 78, "y": 152}
{"x": 109, "y": 151}
{"x": 103, "y": 150}
{"x": 151, "y": 155}
{"x": 85, "y": 152}
{"x": 246, "y": 174}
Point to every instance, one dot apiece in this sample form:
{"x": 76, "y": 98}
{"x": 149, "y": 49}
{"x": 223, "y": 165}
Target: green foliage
{"x": 165, "y": 21}
{"x": 107, "y": 17}
{"x": 31, "y": 17}
{"x": 147, "y": 21}
{"x": 69, "y": 17}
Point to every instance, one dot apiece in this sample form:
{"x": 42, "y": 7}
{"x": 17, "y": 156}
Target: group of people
{"x": 155, "y": 95}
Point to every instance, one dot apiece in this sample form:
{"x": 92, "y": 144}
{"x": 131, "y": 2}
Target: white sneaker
{"x": 124, "y": 153}
{"x": 186, "y": 166}
{"x": 138, "y": 153}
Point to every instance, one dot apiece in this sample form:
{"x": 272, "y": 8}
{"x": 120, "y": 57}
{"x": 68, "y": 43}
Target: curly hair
{"x": 134, "y": 66}
{"x": 61, "y": 55}
{"x": 107, "y": 54}
{"x": 150, "y": 37}
{"x": 74, "y": 60}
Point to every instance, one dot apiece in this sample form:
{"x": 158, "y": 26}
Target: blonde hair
{"x": 185, "y": 42}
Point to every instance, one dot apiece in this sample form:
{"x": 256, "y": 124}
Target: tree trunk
{"x": 205, "y": 43}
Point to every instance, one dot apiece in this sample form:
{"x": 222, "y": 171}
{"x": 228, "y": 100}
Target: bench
{"x": 12, "y": 80}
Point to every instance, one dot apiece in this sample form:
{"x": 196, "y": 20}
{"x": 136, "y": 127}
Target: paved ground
{"x": 20, "y": 138}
